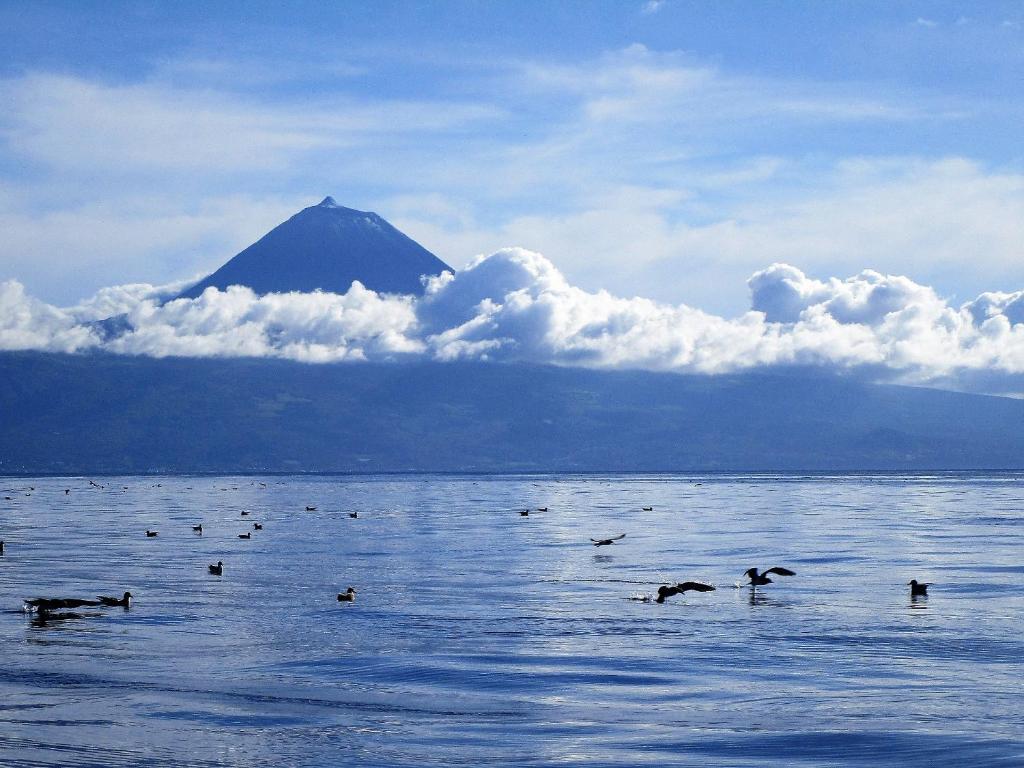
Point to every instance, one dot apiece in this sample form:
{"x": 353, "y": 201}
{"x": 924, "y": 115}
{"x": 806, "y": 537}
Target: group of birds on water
{"x": 47, "y": 607}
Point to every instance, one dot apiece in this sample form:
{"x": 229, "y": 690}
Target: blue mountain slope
{"x": 326, "y": 247}
{"x": 107, "y": 413}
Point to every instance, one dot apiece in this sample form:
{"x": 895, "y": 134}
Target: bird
{"x": 67, "y": 491}
{"x": 218, "y": 569}
{"x": 125, "y": 601}
{"x": 257, "y": 526}
{"x": 245, "y": 512}
{"x": 647, "y": 509}
{"x": 757, "y": 579}
{"x": 1, "y": 547}
{"x": 348, "y": 596}
{"x": 542, "y": 509}
{"x": 94, "y": 484}
{"x": 524, "y": 513}
{"x": 310, "y": 509}
{"x": 682, "y": 587}
{"x": 198, "y": 528}
{"x": 916, "y": 587}
{"x": 150, "y": 533}
{"x": 245, "y": 535}
{"x": 55, "y": 603}
{"x": 606, "y": 542}
{"x": 353, "y": 515}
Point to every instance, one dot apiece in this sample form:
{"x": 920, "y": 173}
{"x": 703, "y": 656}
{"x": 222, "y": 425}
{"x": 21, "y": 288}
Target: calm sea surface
{"x": 483, "y": 637}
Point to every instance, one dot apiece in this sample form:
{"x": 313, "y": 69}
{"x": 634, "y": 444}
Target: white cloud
{"x": 514, "y": 305}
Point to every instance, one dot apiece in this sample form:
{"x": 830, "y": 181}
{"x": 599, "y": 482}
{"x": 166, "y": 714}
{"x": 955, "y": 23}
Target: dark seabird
{"x": 681, "y": 588}
{"x": 125, "y": 602}
{"x": 1, "y": 547}
{"x": 245, "y": 535}
{"x": 757, "y": 579}
{"x": 67, "y": 491}
{"x": 245, "y": 512}
{"x": 606, "y": 542}
{"x": 150, "y": 533}
{"x": 916, "y": 588}
{"x": 542, "y": 509}
{"x": 218, "y": 569}
{"x": 524, "y": 513}
{"x": 353, "y": 515}
{"x": 647, "y": 509}
{"x": 348, "y": 596}
{"x": 198, "y": 528}
{"x": 56, "y": 603}
{"x": 310, "y": 509}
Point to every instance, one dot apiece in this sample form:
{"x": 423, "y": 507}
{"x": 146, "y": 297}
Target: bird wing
{"x": 780, "y": 571}
{"x": 696, "y": 586}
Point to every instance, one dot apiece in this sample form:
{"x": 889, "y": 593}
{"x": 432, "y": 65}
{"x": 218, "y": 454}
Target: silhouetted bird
{"x": 1, "y": 547}
{"x": 757, "y": 579}
{"x": 678, "y": 589}
{"x": 606, "y": 542}
{"x": 150, "y": 533}
{"x": 353, "y": 515}
{"x": 524, "y": 513}
{"x": 542, "y": 509}
{"x": 348, "y": 596}
{"x": 647, "y": 509}
{"x": 245, "y": 512}
{"x": 55, "y": 603}
{"x": 198, "y": 528}
{"x": 918, "y": 588}
{"x": 310, "y": 509}
{"x": 218, "y": 569}
{"x": 125, "y": 601}
{"x": 245, "y": 535}
{"x": 67, "y": 491}
{"x": 257, "y": 526}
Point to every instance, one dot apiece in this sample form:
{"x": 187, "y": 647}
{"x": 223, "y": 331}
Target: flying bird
{"x": 757, "y": 579}
{"x": 606, "y": 542}
{"x": 218, "y": 569}
{"x": 916, "y": 588}
{"x": 681, "y": 588}
{"x": 348, "y": 596}
{"x": 125, "y": 601}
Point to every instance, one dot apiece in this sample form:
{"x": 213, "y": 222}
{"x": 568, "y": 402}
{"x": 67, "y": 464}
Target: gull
{"x": 916, "y": 587}
{"x": 678, "y": 589}
{"x": 757, "y": 579}
{"x": 606, "y": 542}
{"x": 125, "y": 601}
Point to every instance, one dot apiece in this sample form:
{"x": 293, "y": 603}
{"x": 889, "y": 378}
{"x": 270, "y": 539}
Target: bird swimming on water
{"x": 125, "y": 601}
{"x": 257, "y": 526}
{"x": 918, "y": 588}
{"x": 310, "y": 509}
{"x": 245, "y": 512}
{"x": 353, "y": 515}
{"x": 678, "y": 589}
{"x": 198, "y": 528}
{"x": 55, "y": 603}
{"x": 245, "y": 535}
{"x": 542, "y": 509}
{"x": 150, "y": 533}
{"x": 348, "y": 596}
{"x": 647, "y": 509}
{"x": 606, "y": 542}
{"x": 758, "y": 579}
{"x": 218, "y": 569}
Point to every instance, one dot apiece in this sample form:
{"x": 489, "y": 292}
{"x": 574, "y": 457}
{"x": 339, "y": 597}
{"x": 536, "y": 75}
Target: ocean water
{"x": 483, "y": 637}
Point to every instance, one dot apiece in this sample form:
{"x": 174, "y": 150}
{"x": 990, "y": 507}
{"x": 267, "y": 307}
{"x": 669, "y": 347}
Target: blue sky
{"x": 662, "y": 149}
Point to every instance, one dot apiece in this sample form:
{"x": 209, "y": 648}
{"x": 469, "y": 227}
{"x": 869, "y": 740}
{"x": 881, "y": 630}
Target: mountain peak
{"x": 328, "y": 251}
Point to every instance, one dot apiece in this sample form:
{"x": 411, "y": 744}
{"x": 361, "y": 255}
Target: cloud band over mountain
{"x": 515, "y": 305}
